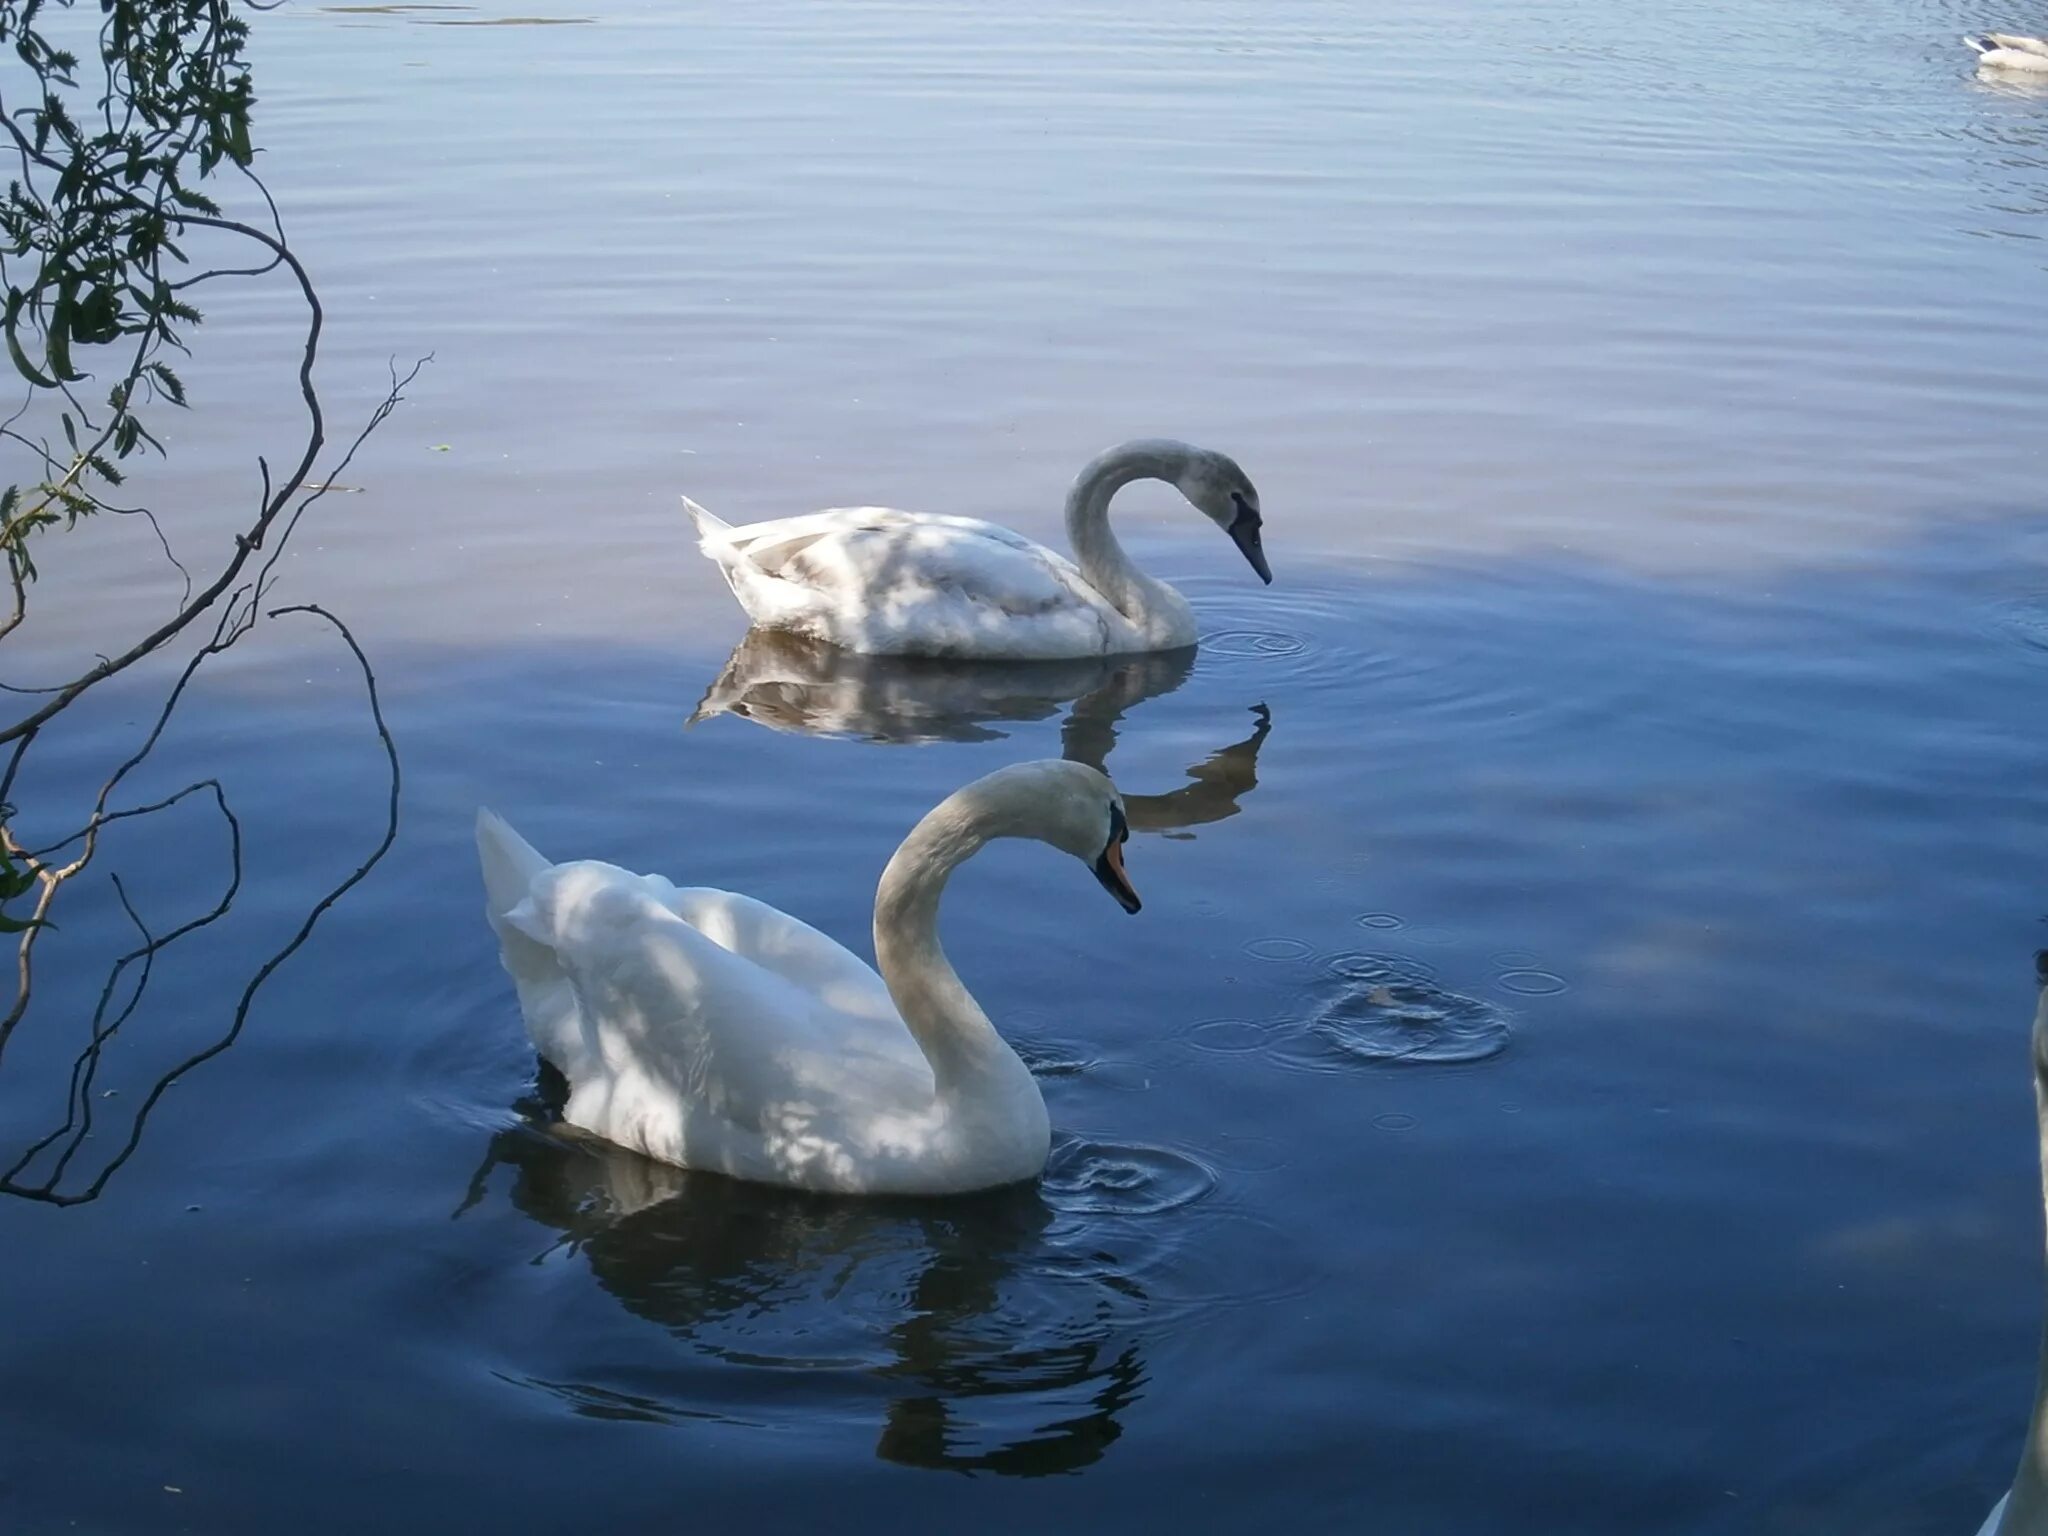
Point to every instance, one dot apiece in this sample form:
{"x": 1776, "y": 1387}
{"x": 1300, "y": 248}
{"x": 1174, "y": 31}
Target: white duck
{"x": 2024, "y": 1509}
{"x": 2010, "y": 50}
{"x": 892, "y": 583}
{"x": 709, "y": 1030}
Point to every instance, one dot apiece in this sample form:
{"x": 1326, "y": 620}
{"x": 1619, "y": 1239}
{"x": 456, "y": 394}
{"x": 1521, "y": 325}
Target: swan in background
{"x": 890, "y": 583}
{"x": 709, "y": 1030}
{"x": 2024, "y": 1509}
{"x": 2010, "y": 50}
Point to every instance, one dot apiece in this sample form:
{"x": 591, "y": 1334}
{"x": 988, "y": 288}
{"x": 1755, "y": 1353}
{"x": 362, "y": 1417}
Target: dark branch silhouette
{"x": 94, "y": 270}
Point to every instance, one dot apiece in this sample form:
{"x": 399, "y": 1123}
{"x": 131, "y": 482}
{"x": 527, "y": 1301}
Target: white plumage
{"x": 2010, "y": 50}
{"x": 893, "y": 583}
{"x": 709, "y": 1030}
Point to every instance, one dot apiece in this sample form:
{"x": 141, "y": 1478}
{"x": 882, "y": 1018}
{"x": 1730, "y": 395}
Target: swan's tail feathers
{"x": 510, "y": 862}
{"x": 714, "y": 538}
{"x": 511, "y": 865}
{"x": 709, "y": 525}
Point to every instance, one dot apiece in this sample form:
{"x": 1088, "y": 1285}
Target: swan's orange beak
{"x": 1109, "y": 869}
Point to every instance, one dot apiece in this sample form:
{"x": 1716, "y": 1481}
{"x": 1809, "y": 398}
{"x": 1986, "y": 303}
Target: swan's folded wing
{"x": 815, "y": 964}
{"x": 873, "y": 556}
{"x": 696, "y": 1054}
{"x": 638, "y": 973}
{"x": 660, "y": 1001}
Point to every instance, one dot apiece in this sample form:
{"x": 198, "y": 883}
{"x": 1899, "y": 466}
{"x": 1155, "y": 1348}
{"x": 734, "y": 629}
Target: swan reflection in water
{"x": 991, "y": 1344}
{"x": 789, "y": 683}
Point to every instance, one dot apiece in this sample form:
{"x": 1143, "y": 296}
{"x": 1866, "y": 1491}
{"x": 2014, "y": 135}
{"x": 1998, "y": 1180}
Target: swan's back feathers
{"x": 636, "y": 982}
{"x": 708, "y": 1029}
{"x": 698, "y": 961}
{"x": 883, "y": 582}
{"x": 2010, "y": 50}
{"x": 784, "y": 946}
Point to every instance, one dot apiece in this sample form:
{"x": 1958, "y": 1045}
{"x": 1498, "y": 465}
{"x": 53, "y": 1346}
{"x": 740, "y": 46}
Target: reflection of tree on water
{"x": 789, "y": 683}
{"x": 990, "y": 1354}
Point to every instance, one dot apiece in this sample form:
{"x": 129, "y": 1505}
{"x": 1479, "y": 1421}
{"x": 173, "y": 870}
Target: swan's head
{"x": 1224, "y": 494}
{"x": 1069, "y": 805}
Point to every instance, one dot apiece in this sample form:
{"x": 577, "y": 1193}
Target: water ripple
{"x": 2024, "y": 619}
{"x": 1279, "y": 947}
{"x": 1407, "y": 1022}
{"x": 1397, "y": 1022}
{"x": 1254, "y": 642}
{"x": 1053, "y": 1058}
{"x": 1229, "y": 1037}
{"x": 1530, "y": 982}
{"x": 1369, "y": 969}
{"x": 1112, "y": 1178}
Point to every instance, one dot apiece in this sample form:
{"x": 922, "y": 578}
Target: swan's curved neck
{"x": 1101, "y": 558}
{"x": 2027, "y": 1510}
{"x": 948, "y": 1025}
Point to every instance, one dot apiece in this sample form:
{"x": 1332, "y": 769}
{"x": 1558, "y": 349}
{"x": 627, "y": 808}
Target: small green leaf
{"x": 16, "y": 299}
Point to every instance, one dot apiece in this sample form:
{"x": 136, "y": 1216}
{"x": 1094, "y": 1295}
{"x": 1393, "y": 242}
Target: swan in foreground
{"x": 890, "y": 583}
{"x": 709, "y": 1030}
{"x": 2010, "y": 50}
{"x": 2024, "y": 1509}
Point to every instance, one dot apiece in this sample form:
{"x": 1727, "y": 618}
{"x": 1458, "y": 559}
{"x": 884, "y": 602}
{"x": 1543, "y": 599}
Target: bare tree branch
{"x": 78, "y": 1121}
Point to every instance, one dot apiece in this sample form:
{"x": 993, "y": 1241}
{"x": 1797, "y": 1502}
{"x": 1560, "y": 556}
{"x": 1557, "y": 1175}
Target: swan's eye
{"x": 1119, "y": 829}
{"x": 1246, "y": 512}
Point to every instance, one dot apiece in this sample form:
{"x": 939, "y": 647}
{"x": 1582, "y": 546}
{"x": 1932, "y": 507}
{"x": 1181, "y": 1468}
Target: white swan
{"x": 709, "y": 1030}
{"x": 892, "y": 583}
{"x": 2024, "y": 1509}
{"x": 2010, "y": 50}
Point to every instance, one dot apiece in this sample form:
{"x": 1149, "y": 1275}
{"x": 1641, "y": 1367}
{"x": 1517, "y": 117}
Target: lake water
{"x": 1570, "y": 1073}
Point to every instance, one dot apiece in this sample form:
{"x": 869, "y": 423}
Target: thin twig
{"x": 270, "y": 966}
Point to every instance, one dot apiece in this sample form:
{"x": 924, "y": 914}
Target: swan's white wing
{"x": 765, "y": 545}
{"x": 819, "y": 966}
{"x": 2019, "y": 43}
{"x": 683, "y": 1048}
{"x": 861, "y": 554}
{"x": 887, "y": 582}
